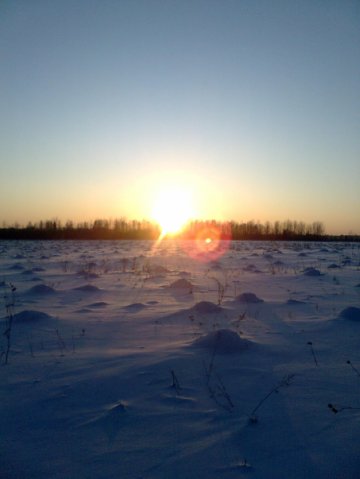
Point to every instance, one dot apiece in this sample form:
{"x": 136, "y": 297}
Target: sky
{"x": 251, "y": 107}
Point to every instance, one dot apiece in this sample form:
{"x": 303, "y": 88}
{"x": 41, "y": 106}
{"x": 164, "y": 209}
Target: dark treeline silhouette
{"x": 122, "y": 229}
{"x": 100, "y": 229}
{"x": 252, "y": 230}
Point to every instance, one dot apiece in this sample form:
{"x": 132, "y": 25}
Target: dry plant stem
{"x": 241, "y": 318}
{"x": 61, "y": 343}
{"x": 218, "y": 390}
{"x": 175, "y": 383}
{"x": 336, "y": 409}
{"x": 220, "y": 290}
{"x": 9, "y": 306}
{"x": 286, "y": 380}
{"x": 353, "y": 367}
{"x": 224, "y": 392}
{"x": 209, "y": 370}
{"x": 313, "y": 353}
{"x": 236, "y": 282}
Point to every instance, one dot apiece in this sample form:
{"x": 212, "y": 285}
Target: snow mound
{"x": 249, "y": 298}
{"x": 294, "y": 302}
{"x": 88, "y": 288}
{"x": 87, "y": 275}
{"x": 215, "y": 265}
{"x": 135, "y": 307}
{"x": 223, "y": 341}
{"x": 41, "y": 289}
{"x": 99, "y": 304}
{"x": 351, "y": 313}
{"x": 30, "y": 316}
{"x": 155, "y": 270}
{"x": 251, "y": 268}
{"x": 184, "y": 274}
{"x": 183, "y": 284}
{"x": 17, "y": 267}
{"x": 205, "y": 307}
{"x": 311, "y": 272}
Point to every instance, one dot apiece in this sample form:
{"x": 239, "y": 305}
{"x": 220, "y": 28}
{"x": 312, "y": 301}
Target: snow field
{"x": 135, "y": 361}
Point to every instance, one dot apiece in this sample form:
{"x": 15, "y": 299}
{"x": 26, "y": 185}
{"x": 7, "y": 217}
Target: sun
{"x": 172, "y": 209}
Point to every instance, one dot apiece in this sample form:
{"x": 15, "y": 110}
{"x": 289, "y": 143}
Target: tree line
{"x": 99, "y": 229}
{"x": 122, "y": 229}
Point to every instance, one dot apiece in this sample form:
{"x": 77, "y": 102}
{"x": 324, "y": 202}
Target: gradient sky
{"x": 253, "y": 105}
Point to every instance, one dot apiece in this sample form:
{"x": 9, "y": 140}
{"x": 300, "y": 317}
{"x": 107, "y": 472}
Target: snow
{"x": 206, "y": 307}
{"x": 182, "y": 284}
{"x": 120, "y": 372}
{"x": 88, "y": 288}
{"x": 312, "y": 272}
{"x": 249, "y": 298}
{"x": 41, "y": 289}
{"x": 351, "y": 312}
{"x": 29, "y": 315}
{"x": 222, "y": 341}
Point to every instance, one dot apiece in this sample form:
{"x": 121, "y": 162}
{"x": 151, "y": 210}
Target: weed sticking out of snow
{"x": 9, "y": 303}
{"x": 285, "y": 381}
{"x": 310, "y": 344}
{"x": 355, "y": 369}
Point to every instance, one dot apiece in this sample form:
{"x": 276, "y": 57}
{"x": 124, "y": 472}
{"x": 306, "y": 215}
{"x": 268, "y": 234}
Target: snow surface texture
{"x": 133, "y": 360}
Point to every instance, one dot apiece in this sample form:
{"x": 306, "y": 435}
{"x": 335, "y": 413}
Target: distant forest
{"x": 122, "y": 229}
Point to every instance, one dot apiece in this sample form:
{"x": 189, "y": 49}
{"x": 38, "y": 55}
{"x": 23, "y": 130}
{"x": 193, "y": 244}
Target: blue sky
{"x": 253, "y": 105}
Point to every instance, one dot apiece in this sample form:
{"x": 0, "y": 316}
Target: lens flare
{"x": 210, "y": 242}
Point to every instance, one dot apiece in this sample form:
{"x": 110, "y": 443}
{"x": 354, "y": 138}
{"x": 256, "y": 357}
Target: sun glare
{"x": 172, "y": 209}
